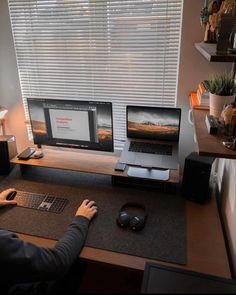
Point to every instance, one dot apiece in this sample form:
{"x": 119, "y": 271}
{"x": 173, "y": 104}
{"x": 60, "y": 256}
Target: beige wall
{"x": 193, "y": 68}
{"x": 10, "y": 94}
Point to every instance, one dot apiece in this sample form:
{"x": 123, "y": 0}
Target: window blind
{"x": 123, "y": 51}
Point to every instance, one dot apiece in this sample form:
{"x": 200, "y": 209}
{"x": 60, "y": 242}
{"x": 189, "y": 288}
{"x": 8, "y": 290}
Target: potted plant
{"x": 222, "y": 92}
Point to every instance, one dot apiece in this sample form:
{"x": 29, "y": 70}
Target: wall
{"x": 193, "y": 67}
{"x": 10, "y": 93}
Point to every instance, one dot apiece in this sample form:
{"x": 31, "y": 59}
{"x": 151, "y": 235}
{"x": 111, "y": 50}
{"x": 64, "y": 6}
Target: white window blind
{"x": 123, "y": 51}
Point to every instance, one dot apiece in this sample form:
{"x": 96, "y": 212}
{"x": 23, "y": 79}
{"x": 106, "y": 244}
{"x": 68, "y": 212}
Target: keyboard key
{"x": 150, "y": 148}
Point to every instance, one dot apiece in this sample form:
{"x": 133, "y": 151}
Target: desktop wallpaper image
{"x": 153, "y": 123}
{"x": 104, "y": 124}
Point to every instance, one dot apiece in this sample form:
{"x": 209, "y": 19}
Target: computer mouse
{"x": 11, "y": 196}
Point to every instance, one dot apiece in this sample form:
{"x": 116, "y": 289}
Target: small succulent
{"x": 222, "y": 84}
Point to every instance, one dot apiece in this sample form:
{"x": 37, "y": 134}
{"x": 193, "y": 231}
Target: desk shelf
{"x": 80, "y": 161}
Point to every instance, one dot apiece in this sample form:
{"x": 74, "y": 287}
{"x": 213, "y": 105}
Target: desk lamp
{"x": 3, "y": 112}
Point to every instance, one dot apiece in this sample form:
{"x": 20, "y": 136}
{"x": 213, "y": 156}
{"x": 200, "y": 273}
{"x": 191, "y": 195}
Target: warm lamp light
{"x": 3, "y": 112}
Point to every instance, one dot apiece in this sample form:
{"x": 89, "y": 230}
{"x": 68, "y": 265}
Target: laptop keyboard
{"x": 150, "y": 148}
{"x": 42, "y": 202}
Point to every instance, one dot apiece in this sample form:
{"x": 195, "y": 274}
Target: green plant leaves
{"x": 222, "y": 84}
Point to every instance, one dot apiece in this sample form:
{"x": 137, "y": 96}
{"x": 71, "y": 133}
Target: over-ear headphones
{"x": 133, "y": 221}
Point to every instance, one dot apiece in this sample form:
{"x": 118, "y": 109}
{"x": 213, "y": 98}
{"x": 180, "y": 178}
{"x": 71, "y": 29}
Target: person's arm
{"x": 24, "y": 262}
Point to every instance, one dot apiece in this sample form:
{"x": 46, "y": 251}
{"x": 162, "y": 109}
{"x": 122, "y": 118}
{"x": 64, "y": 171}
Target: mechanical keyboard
{"x": 44, "y": 202}
{"x": 150, "y": 148}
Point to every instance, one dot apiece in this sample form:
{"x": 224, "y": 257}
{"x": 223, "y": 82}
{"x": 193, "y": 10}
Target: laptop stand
{"x": 149, "y": 173}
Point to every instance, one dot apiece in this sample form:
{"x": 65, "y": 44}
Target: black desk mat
{"x": 163, "y": 238}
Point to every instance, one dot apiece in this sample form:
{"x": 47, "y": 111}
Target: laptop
{"x": 152, "y": 137}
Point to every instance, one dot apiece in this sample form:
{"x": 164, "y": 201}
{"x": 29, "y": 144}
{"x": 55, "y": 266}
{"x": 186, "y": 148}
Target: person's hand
{"x": 3, "y": 195}
{"x": 87, "y": 209}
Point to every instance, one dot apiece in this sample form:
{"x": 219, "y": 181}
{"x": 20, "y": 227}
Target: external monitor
{"x": 72, "y": 123}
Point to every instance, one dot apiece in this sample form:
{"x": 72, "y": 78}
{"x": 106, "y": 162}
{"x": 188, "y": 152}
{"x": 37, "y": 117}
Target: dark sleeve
{"x": 27, "y": 262}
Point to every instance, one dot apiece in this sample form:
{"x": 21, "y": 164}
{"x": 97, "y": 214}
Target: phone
{"x": 25, "y": 155}
{"x": 120, "y": 166}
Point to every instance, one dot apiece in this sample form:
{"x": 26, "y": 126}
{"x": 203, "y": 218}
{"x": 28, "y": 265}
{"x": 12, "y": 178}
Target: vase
{"x": 217, "y": 103}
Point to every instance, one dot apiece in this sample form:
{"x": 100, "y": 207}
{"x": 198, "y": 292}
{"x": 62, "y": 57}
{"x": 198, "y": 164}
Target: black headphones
{"x": 134, "y": 222}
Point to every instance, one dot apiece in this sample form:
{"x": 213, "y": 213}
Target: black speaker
{"x": 8, "y": 150}
{"x": 196, "y": 177}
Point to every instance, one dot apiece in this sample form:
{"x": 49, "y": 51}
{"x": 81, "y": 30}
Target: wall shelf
{"x": 208, "y": 144}
{"x": 208, "y": 50}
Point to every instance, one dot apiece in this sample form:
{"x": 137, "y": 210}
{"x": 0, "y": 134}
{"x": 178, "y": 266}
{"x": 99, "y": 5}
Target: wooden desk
{"x": 206, "y": 250}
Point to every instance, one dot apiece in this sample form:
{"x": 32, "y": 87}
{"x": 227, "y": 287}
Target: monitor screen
{"x": 72, "y": 123}
{"x": 157, "y": 123}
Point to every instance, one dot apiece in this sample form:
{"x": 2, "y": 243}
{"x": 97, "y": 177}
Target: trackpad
{"x": 147, "y": 160}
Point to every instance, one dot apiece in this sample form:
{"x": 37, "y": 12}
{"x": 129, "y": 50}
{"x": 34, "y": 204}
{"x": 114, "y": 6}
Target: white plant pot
{"x": 217, "y": 103}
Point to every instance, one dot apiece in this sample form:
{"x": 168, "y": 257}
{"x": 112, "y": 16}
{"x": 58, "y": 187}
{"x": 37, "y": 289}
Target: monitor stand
{"x": 149, "y": 173}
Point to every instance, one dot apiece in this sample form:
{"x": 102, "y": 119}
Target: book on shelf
{"x": 194, "y": 101}
{"x": 205, "y": 83}
{"x": 202, "y": 100}
{"x": 203, "y": 94}
{"x": 203, "y": 89}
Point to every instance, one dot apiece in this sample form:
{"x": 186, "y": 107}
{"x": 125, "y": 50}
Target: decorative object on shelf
{"x": 218, "y": 19}
{"x": 228, "y": 6}
{"x": 204, "y": 14}
{"x": 209, "y": 19}
{"x": 227, "y": 24}
{"x": 222, "y": 92}
{"x": 212, "y": 124}
{"x": 230, "y": 143}
{"x": 232, "y": 42}
{"x": 228, "y": 116}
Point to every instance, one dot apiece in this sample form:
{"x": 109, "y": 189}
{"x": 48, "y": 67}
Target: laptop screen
{"x": 158, "y": 123}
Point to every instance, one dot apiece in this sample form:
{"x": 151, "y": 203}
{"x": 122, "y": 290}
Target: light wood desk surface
{"x": 206, "y": 250}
